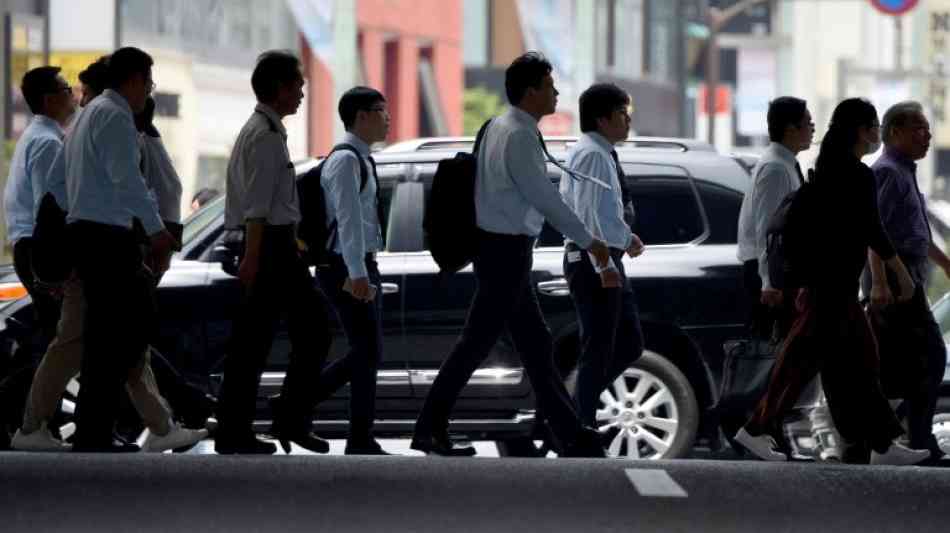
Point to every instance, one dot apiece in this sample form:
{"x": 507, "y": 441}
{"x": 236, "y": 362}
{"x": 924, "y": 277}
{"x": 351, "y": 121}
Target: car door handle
{"x": 390, "y": 288}
{"x": 557, "y": 287}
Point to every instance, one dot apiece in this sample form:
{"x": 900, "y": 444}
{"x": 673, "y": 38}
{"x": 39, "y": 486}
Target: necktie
{"x": 379, "y": 202}
{"x": 626, "y": 197}
{"x": 801, "y": 177}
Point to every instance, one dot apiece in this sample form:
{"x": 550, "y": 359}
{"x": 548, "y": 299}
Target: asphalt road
{"x": 207, "y": 493}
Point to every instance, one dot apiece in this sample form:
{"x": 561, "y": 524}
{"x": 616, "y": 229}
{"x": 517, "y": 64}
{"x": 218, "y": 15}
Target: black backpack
{"x": 449, "y": 220}
{"x": 312, "y": 229}
{"x": 787, "y": 236}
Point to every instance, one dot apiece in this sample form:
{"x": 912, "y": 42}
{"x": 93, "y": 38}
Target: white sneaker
{"x": 763, "y": 446}
{"x": 899, "y": 455}
{"x": 177, "y": 437}
{"x": 40, "y": 440}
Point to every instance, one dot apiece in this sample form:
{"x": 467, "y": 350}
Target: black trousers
{"x": 283, "y": 286}
{"x": 763, "y": 321}
{"x": 119, "y": 321}
{"x": 610, "y": 333}
{"x": 45, "y": 306}
{"x": 913, "y": 361}
{"x": 831, "y": 336}
{"x": 362, "y": 325}
{"x": 504, "y": 298}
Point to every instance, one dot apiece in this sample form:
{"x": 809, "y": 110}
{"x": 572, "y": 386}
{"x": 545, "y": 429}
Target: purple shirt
{"x": 903, "y": 208}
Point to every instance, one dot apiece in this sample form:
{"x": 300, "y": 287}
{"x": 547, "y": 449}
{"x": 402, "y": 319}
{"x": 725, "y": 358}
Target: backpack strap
{"x": 480, "y": 136}
{"x": 364, "y": 177}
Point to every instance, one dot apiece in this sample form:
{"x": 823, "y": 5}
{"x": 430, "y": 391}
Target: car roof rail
{"x": 554, "y": 143}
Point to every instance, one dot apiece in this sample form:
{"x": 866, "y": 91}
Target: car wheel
{"x": 941, "y": 430}
{"x": 650, "y": 412}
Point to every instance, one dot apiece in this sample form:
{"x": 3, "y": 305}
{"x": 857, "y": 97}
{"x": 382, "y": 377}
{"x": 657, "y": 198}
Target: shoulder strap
{"x": 364, "y": 172}
{"x": 481, "y": 135}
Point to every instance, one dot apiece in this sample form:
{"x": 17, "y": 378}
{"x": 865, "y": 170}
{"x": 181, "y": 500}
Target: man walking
{"x": 51, "y": 101}
{"x": 262, "y": 203}
{"x": 513, "y": 196}
{"x": 913, "y": 355}
{"x": 106, "y": 196}
{"x": 611, "y": 338}
{"x": 352, "y": 279}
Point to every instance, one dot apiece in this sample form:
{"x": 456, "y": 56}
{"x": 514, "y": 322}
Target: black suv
{"x": 688, "y": 284}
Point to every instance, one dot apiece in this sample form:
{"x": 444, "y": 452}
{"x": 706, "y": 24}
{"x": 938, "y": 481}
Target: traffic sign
{"x": 894, "y": 7}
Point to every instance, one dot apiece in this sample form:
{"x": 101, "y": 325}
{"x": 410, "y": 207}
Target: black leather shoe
{"x": 306, "y": 440}
{"x": 440, "y": 445}
{"x": 586, "y": 444}
{"x": 243, "y": 446}
{"x": 370, "y": 447}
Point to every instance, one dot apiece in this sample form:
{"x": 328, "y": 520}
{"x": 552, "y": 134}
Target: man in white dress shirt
{"x": 611, "y": 337}
{"x": 107, "y": 199}
{"x": 513, "y": 197}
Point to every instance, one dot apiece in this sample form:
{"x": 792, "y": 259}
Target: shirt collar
{"x": 118, "y": 100}
{"x": 782, "y": 152}
{"x": 899, "y": 158}
{"x": 50, "y": 124}
{"x": 358, "y": 143}
{"x": 599, "y": 140}
{"x": 269, "y": 112}
{"x": 522, "y": 116}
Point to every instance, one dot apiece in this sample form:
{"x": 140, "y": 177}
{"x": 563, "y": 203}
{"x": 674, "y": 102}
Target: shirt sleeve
{"x": 772, "y": 185}
{"x": 42, "y": 158}
{"x": 590, "y": 197}
{"x": 877, "y": 237}
{"x": 164, "y": 180}
{"x": 120, "y": 151}
{"x": 341, "y": 181}
{"x": 56, "y": 180}
{"x": 263, "y": 165}
{"x": 892, "y": 193}
{"x": 524, "y": 159}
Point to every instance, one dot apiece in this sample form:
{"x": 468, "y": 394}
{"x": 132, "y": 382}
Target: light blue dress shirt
{"x": 600, "y": 209}
{"x": 32, "y": 159}
{"x": 513, "y": 194}
{"x": 103, "y": 181}
{"x": 358, "y": 228}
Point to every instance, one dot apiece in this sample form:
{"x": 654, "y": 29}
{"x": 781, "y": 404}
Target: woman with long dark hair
{"x": 838, "y": 220}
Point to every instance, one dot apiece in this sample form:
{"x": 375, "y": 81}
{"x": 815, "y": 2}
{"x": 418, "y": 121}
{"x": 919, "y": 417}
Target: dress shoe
{"x": 586, "y": 444}
{"x": 40, "y": 440}
{"x": 305, "y": 439}
{"x": 899, "y": 455}
{"x": 440, "y": 445}
{"x": 762, "y": 446}
{"x": 177, "y": 437}
{"x": 370, "y": 447}
{"x": 249, "y": 445}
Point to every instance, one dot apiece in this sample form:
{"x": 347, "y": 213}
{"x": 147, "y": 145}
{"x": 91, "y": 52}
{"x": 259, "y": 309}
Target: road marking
{"x": 655, "y": 483}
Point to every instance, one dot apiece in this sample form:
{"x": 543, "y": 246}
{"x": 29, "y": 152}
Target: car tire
{"x": 677, "y": 411}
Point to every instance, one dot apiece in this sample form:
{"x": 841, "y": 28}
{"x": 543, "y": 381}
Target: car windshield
{"x": 201, "y": 219}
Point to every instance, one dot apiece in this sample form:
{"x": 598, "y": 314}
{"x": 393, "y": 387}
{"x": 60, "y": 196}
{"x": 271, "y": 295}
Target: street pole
{"x": 717, "y": 20}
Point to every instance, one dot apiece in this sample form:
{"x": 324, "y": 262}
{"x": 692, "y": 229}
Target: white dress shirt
{"x": 513, "y": 194}
{"x": 773, "y": 178}
{"x": 103, "y": 181}
{"x": 600, "y": 209}
{"x": 261, "y": 179}
{"x": 161, "y": 178}
{"x": 34, "y": 155}
{"x": 358, "y": 228}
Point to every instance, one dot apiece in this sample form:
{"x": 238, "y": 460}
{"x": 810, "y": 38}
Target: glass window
{"x": 722, "y": 207}
{"x": 201, "y": 219}
{"x": 475, "y": 36}
{"x": 667, "y": 209}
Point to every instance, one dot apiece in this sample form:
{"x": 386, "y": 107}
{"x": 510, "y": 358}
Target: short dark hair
{"x": 205, "y": 195}
{"x": 784, "y": 111}
{"x": 526, "y": 71}
{"x": 600, "y": 101}
{"x": 127, "y": 62}
{"x": 37, "y": 83}
{"x": 357, "y": 99}
{"x": 274, "y": 68}
{"x": 96, "y": 75}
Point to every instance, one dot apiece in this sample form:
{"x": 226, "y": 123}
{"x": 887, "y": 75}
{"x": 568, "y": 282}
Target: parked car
{"x": 688, "y": 284}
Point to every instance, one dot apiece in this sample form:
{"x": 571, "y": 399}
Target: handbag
{"x": 746, "y": 372}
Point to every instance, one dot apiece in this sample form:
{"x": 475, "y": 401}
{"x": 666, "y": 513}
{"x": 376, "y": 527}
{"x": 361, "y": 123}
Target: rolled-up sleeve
{"x": 341, "y": 178}
{"x": 263, "y": 164}
{"x": 772, "y": 186}
{"x": 524, "y": 160}
{"x": 119, "y": 142}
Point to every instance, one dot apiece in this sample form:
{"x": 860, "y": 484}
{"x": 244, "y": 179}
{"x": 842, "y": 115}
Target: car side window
{"x": 407, "y": 189}
{"x": 722, "y": 206}
{"x": 668, "y": 211}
